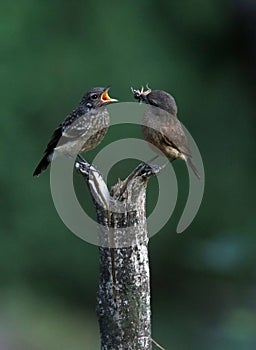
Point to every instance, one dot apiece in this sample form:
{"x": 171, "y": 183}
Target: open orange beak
{"x": 104, "y": 98}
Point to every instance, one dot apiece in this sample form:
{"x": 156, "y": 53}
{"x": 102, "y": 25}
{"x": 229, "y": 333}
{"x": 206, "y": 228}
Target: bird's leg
{"x": 142, "y": 169}
{"x": 89, "y": 166}
{"x": 152, "y": 159}
{"x": 82, "y": 165}
{"x": 81, "y": 158}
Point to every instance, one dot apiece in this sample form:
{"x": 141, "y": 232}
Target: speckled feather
{"x": 82, "y": 130}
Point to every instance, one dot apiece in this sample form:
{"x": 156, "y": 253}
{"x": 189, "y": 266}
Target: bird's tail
{"x": 192, "y": 166}
{"x": 43, "y": 164}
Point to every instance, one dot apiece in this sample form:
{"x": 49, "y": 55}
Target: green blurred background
{"x": 203, "y": 52}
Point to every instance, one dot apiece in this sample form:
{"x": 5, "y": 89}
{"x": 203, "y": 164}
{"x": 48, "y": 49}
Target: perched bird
{"x": 162, "y": 128}
{"x": 82, "y": 130}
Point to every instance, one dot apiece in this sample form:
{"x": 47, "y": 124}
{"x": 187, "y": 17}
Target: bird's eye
{"x": 94, "y": 96}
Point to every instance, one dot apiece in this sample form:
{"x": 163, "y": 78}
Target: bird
{"x": 161, "y": 126}
{"x": 83, "y": 129}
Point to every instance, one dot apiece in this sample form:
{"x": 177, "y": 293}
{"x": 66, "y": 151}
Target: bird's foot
{"x": 151, "y": 160}
{"x": 84, "y": 167}
{"x": 144, "y": 170}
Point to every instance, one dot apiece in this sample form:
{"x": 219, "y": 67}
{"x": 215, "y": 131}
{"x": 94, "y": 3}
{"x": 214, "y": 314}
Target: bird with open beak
{"x": 83, "y": 129}
{"x": 161, "y": 127}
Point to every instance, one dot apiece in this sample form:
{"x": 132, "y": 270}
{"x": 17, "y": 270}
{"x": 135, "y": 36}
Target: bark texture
{"x": 123, "y": 302}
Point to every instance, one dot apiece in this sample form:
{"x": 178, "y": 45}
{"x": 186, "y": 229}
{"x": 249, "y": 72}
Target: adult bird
{"x": 162, "y": 128}
{"x": 83, "y": 129}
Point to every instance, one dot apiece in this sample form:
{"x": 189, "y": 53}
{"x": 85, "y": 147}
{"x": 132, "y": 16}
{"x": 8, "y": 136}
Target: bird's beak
{"x": 104, "y": 98}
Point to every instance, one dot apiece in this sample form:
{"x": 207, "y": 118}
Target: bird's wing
{"x": 174, "y": 135}
{"x": 72, "y": 127}
{"x": 54, "y": 140}
{"x": 77, "y": 128}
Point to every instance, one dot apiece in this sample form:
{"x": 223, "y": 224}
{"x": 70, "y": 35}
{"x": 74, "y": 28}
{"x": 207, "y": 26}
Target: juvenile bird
{"x": 83, "y": 129}
{"x": 162, "y": 128}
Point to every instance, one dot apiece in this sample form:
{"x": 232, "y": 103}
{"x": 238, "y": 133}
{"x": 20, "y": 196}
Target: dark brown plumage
{"x": 161, "y": 127}
{"x": 82, "y": 130}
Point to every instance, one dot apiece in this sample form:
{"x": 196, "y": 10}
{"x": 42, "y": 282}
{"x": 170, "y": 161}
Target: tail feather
{"x": 192, "y": 166}
{"x": 43, "y": 164}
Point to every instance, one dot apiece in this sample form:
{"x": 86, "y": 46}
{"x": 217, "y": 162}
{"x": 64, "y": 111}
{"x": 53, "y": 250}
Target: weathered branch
{"x": 124, "y": 292}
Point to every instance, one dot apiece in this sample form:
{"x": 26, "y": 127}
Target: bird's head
{"x": 156, "y": 98}
{"x": 97, "y": 97}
